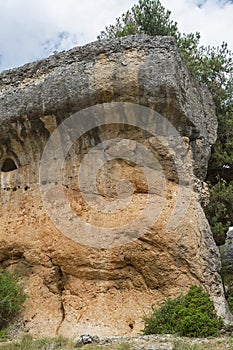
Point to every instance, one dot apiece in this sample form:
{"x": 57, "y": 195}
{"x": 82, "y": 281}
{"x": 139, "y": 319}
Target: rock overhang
{"x": 139, "y": 69}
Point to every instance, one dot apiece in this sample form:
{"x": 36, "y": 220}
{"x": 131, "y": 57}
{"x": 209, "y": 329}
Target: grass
{"x": 28, "y": 343}
{"x": 123, "y": 346}
{"x": 4, "y": 334}
{"x": 208, "y": 344}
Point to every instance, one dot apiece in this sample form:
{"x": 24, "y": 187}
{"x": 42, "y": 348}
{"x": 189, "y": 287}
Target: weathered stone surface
{"x": 226, "y": 252}
{"x": 78, "y": 286}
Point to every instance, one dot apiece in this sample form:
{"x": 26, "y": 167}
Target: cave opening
{"x": 8, "y": 165}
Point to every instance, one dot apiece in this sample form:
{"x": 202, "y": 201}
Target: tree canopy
{"x": 212, "y": 66}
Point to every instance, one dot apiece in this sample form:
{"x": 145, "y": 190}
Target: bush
{"x": 191, "y": 315}
{"x": 11, "y": 297}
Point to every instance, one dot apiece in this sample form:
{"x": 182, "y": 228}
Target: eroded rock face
{"x": 97, "y": 264}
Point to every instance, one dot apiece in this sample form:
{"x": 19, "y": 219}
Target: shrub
{"x": 191, "y": 315}
{"x": 11, "y": 297}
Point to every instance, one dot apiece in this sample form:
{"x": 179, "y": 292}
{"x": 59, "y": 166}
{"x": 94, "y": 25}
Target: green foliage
{"x": 148, "y": 17}
{"x": 210, "y": 344}
{"x": 220, "y": 174}
{"x": 212, "y": 66}
{"x": 59, "y": 343}
{"x": 188, "y": 45}
{"x": 11, "y": 297}
{"x": 122, "y": 346}
{"x": 219, "y": 208}
{"x": 181, "y": 345}
{"x": 28, "y": 343}
{"x": 4, "y": 334}
{"x": 230, "y": 303}
{"x": 191, "y": 315}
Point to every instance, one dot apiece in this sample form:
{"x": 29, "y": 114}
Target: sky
{"x": 34, "y": 29}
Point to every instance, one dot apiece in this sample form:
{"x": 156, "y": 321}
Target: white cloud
{"x": 31, "y": 29}
{"x": 212, "y": 18}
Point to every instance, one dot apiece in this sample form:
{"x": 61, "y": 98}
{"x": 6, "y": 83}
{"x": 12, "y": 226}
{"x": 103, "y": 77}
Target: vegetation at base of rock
{"x": 28, "y": 343}
{"x": 123, "y": 346}
{"x": 11, "y": 297}
{"x": 191, "y": 315}
{"x": 212, "y": 66}
{"x": 205, "y": 344}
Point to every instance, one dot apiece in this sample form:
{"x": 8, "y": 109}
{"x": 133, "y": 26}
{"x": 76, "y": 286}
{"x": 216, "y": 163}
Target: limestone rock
{"x": 98, "y": 249}
{"x": 227, "y": 250}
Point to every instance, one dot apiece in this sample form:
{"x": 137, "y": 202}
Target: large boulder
{"x": 103, "y": 154}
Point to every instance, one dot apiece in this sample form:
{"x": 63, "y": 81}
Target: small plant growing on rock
{"x": 191, "y": 315}
{"x": 11, "y": 297}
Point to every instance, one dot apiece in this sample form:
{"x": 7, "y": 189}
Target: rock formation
{"x": 127, "y": 115}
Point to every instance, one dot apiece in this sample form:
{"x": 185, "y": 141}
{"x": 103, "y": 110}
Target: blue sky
{"x": 32, "y": 29}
